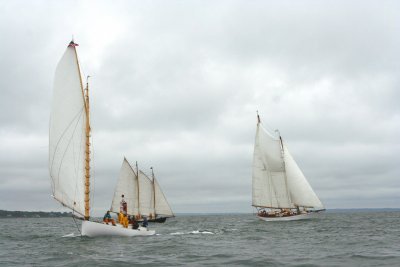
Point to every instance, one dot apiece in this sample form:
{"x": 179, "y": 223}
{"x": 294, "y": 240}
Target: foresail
{"x": 161, "y": 206}
{"x": 269, "y": 181}
{"x": 127, "y": 186}
{"x": 67, "y": 134}
{"x": 145, "y": 195}
{"x": 300, "y": 190}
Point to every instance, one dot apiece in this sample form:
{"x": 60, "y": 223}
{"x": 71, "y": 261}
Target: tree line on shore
{"x": 32, "y": 214}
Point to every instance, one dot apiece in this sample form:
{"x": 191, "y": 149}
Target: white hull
{"x": 94, "y": 229}
{"x": 288, "y": 218}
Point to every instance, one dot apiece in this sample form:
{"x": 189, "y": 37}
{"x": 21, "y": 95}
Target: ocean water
{"x": 332, "y": 239}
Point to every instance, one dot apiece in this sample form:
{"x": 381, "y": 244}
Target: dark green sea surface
{"x": 334, "y": 239}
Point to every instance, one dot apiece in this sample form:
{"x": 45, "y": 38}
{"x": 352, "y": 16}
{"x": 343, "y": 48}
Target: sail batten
{"x": 277, "y": 180}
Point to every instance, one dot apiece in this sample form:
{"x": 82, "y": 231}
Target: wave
{"x": 71, "y": 235}
{"x": 193, "y": 233}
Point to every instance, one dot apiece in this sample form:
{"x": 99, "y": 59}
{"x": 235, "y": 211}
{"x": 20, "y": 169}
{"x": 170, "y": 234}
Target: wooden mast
{"x": 154, "y": 191}
{"x": 138, "y": 190}
{"x": 87, "y": 153}
{"x": 284, "y": 167}
{"x": 87, "y": 134}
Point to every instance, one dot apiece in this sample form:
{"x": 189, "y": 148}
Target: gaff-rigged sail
{"x": 67, "y": 137}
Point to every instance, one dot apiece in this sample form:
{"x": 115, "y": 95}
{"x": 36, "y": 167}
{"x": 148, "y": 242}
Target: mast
{"x": 137, "y": 186}
{"x": 284, "y": 166}
{"x": 154, "y": 192}
{"x": 87, "y": 152}
{"x": 87, "y": 133}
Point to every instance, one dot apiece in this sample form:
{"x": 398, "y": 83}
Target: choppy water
{"x": 333, "y": 239}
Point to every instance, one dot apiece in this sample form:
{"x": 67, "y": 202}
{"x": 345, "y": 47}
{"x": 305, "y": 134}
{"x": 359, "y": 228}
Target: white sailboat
{"x": 69, "y": 147}
{"x": 143, "y": 195}
{"x": 280, "y": 190}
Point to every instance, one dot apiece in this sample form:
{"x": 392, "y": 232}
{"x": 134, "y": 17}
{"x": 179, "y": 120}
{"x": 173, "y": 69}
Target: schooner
{"x": 142, "y": 193}
{"x": 69, "y": 147}
{"x": 280, "y": 189}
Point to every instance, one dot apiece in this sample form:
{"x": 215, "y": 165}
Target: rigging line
{"x": 79, "y": 230}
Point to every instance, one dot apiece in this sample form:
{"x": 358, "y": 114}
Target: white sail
{"x": 300, "y": 190}
{"x": 67, "y": 134}
{"x": 269, "y": 178}
{"x": 161, "y": 204}
{"x": 146, "y": 198}
{"x": 127, "y": 185}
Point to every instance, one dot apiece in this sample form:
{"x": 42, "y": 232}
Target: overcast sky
{"x": 176, "y": 85}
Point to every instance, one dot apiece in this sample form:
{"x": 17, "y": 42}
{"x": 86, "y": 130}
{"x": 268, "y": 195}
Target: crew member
{"x": 123, "y": 213}
{"x": 107, "y": 218}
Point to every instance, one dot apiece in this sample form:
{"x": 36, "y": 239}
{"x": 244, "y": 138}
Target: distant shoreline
{"x": 4, "y": 214}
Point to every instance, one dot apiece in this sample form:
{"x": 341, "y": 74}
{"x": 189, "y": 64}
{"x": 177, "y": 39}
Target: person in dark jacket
{"x": 135, "y": 224}
{"x": 107, "y": 218}
{"x": 145, "y": 222}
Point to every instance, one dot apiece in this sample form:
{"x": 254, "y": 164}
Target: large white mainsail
{"x": 277, "y": 180}
{"x": 161, "y": 205}
{"x": 67, "y": 138}
{"x": 127, "y": 185}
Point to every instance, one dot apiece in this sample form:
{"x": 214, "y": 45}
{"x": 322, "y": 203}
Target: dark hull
{"x": 159, "y": 220}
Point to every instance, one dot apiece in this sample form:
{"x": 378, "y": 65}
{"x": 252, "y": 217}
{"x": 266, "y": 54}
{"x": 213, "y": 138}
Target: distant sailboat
{"x": 280, "y": 190}
{"x": 143, "y": 195}
{"x": 69, "y": 147}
